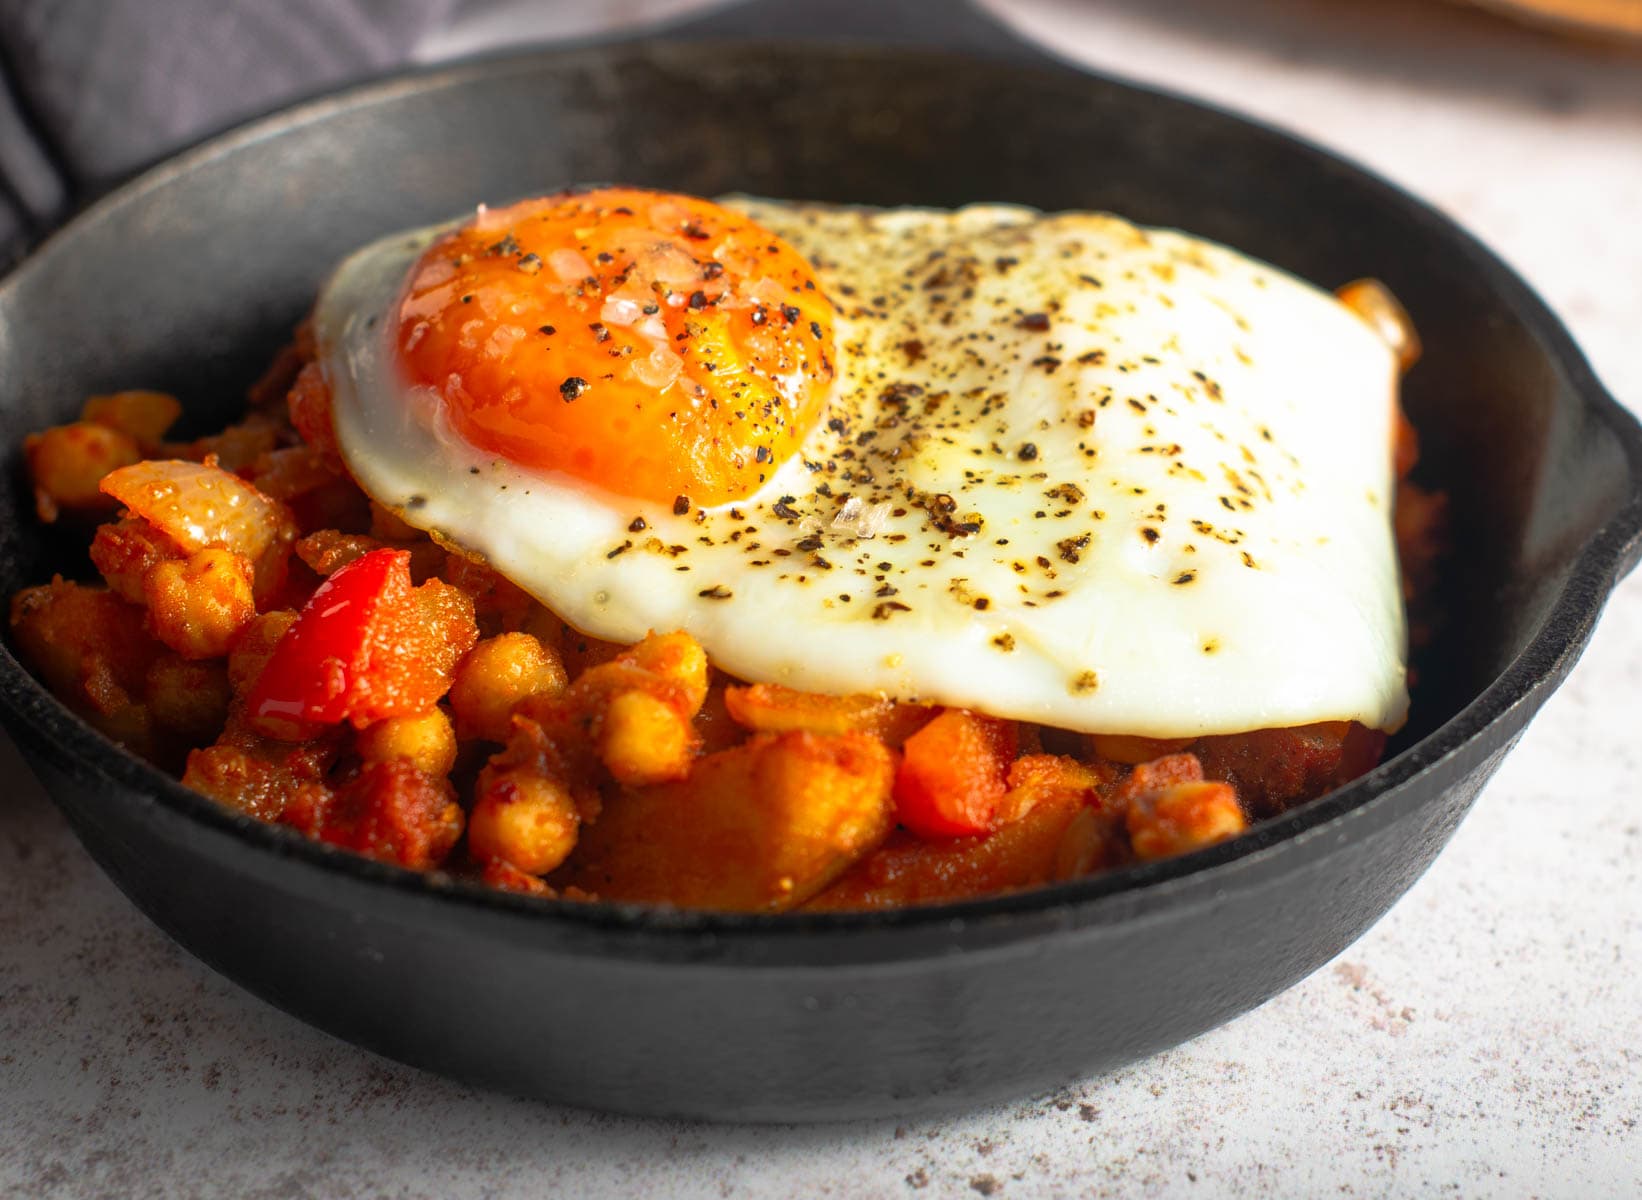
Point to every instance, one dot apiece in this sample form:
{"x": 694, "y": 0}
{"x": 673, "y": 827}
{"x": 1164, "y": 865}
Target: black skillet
{"x": 190, "y": 276}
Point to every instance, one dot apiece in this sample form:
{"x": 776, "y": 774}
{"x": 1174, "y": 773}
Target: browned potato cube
{"x": 759, "y": 827}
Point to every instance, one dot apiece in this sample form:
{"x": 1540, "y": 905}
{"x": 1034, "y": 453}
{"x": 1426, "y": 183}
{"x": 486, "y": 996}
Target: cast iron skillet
{"x": 189, "y": 277}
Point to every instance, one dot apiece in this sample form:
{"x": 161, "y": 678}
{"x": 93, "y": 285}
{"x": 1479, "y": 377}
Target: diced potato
{"x": 67, "y": 463}
{"x": 759, "y": 827}
{"x": 91, "y": 649}
{"x": 145, "y": 416}
{"x": 1047, "y": 794}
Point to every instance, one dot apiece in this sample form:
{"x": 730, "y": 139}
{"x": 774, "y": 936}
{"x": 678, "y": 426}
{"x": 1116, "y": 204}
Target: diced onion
{"x": 570, "y": 266}
{"x": 668, "y": 216}
{"x": 620, "y": 312}
{"x": 872, "y": 521}
{"x": 856, "y": 520}
{"x": 670, "y": 264}
{"x": 768, "y": 292}
{"x": 849, "y": 514}
{"x": 502, "y": 339}
{"x": 658, "y": 369}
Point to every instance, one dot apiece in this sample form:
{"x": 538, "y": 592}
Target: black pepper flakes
{"x": 1036, "y": 322}
{"x": 1027, "y": 452}
{"x": 530, "y": 264}
{"x": 573, "y": 388}
{"x": 637, "y": 525}
{"x": 698, "y": 300}
{"x": 717, "y": 592}
{"x": 681, "y": 505}
{"x": 547, "y": 329}
{"x": 790, "y": 313}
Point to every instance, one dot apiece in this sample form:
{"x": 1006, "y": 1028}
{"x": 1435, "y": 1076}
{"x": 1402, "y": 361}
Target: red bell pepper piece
{"x": 953, "y": 774}
{"x": 313, "y": 675}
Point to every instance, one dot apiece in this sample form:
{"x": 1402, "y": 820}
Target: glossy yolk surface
{"x": 656, "y": 345}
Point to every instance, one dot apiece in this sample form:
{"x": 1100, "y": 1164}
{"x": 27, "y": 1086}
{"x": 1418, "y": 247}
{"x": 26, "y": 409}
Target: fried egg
{"x": 1047, "y": 466}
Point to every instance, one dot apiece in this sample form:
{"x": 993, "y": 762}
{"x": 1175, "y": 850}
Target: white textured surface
{"x": 1484, "y": 1039}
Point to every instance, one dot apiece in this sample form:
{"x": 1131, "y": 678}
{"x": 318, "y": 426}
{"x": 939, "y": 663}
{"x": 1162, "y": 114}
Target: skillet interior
{"x": 190, "y": 278}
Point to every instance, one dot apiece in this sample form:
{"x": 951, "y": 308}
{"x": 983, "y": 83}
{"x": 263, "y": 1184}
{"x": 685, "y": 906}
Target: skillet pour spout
{"x": 195, "y": 272}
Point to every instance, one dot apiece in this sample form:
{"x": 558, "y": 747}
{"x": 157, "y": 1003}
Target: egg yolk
{"x": 656, "y": 345}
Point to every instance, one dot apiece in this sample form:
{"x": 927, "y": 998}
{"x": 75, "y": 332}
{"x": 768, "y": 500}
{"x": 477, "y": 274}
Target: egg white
{"x": 1136, "y": 483}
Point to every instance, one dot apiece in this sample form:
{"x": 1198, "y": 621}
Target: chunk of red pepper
{"x": 365, "y": 647}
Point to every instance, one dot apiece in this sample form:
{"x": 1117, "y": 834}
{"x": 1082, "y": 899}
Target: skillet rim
{"x": 38, "y": 717}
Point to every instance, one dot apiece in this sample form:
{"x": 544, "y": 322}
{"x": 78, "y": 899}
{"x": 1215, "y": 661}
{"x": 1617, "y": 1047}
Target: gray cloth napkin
{"x": 94, "y": 88}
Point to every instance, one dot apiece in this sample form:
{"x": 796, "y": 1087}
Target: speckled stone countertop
{"x": 1485, "y": 1039}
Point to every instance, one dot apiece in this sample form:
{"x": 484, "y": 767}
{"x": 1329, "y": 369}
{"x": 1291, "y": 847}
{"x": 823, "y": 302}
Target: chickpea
{"x": 644, "y": 740}
{"x": 677, "y": 657}
{"x": 524, "y": 818}
{"x": 66, "y": 463}
{"x": 125, "y": 551}
{"x": 197, "y": 605}
{"x": 253, "y": 647}
{"x": 1184, "y": 817}
{"x": 495, "y": 676}
{"x": 425, "y": 740}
